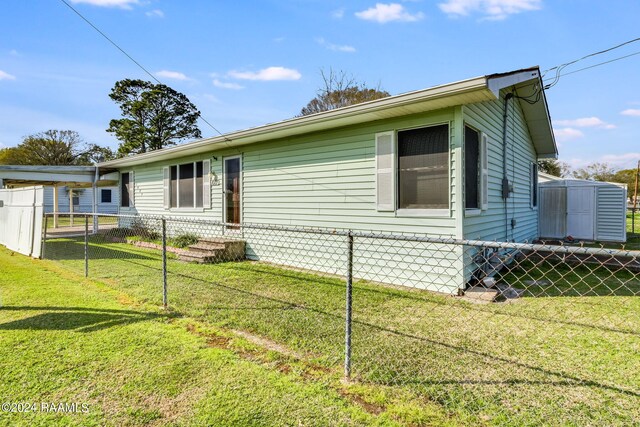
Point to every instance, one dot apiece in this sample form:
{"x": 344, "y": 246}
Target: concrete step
{"x": 212, "y": 250}
{"x": 207, "y": 247}
{"x": 480, "y": 294}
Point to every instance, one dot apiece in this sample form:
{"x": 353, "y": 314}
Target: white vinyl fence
{"x": 21, "y": 219}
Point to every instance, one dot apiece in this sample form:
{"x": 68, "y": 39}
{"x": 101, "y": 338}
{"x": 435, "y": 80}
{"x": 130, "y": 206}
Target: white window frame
{"x": 409, "y": 212}
{"x": 167, "y": 186}
{"x": 102, "y": 190}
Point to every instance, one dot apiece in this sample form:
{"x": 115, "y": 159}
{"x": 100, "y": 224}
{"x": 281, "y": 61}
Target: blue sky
{"x": 248, "y": 63}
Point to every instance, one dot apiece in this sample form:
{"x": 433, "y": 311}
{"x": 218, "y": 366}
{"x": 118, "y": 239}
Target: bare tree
{"x": 340, "y": 89}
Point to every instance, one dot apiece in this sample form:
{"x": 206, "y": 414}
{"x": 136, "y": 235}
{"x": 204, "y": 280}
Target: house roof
{"x": 479, "y": 89}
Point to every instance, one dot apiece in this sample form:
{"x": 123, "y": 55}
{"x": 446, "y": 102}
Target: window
{"x": 76, "y": 200}
{"x": 423, "y": 168}
{"x": 186, "y": 185}
{"x": 126, "y": 189}
{"x": 105, "y": 196}
{"x": 534, "y": 185}
{"x": 471, "y": 168}
{"x": 476, "y": 169}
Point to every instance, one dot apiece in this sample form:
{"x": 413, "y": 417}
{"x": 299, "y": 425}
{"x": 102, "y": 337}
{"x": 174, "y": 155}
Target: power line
{"x": 134, "y": 61}
{"x": 600, "y": 63}
{"x": 561, "y": 67}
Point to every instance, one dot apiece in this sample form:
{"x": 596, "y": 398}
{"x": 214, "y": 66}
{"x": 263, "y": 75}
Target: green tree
{"x": 595, "y": 172}
{"x": 340, "y": 90}
{"x": 54, "y": 148}
{"x": 154, "y": 116}
{"x": 627, "y": 176}
{"x": 554, "y": 167}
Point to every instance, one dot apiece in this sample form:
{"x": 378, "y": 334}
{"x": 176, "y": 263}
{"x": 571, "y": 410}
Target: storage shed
{"x": 584, "y": 210}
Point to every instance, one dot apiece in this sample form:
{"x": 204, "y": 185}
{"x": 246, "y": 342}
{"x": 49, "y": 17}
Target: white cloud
{"x": 567, "y": 134}
{"x": 492, "y": 9}
{"x": 335, "y": 47}
{"x": 227, "y": 85}
{"x": 634, "y": 112}
{"x": 267, "y": 74}
{"x": 586, "y": 122}
{"x": 172, "y": 75}
{"x": 123, "y": 4}
{"x": 621, "y": 161}
{"x": 6, "y": 76}
{"x": 155, "y": 13}
{"x": 383, "y": 13}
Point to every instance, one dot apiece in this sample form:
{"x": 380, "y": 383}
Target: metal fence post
{"x": 349, "y": 301}
{"x": 164, "y": 263}
{"x": 44, "y": 236}
{"x": 86, "y": 245}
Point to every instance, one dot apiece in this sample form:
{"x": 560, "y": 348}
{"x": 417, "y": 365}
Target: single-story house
{"x": 455, "y": 160}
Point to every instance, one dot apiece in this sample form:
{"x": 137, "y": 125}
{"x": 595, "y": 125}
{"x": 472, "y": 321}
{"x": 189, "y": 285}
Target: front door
{"x": 232, "y": 189}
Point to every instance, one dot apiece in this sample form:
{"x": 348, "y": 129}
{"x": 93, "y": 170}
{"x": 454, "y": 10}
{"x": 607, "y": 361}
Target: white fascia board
{"x": 499, "y": 82}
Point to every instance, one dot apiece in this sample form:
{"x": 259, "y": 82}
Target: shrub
{"x": 184, "y": 240}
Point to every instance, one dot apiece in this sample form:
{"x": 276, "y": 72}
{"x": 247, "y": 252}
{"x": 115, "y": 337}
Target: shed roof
{"x": 479, "y": 89}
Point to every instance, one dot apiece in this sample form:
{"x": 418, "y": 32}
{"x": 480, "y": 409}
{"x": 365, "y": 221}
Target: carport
{"x": 12, "y": 177}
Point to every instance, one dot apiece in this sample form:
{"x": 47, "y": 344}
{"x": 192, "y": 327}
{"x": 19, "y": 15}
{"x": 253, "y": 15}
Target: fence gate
{"x": 21, "y": 219}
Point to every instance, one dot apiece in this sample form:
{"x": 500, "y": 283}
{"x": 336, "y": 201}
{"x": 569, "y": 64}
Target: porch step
{"x": 213, "y": 250}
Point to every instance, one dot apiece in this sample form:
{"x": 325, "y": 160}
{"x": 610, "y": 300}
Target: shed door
{"x": 581, "y": 212}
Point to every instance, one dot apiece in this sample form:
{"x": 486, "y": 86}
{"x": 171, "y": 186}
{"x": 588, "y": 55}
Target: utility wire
{"x": 600, "y": 63}
{"x": 134, "y": 61}
{"x": 561, "y": 67}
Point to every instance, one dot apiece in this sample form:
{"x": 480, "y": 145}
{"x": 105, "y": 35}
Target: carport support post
{"x": 349, "y": 301}
{"x": 164, "y": 263}
{"x": 86, "y": 245}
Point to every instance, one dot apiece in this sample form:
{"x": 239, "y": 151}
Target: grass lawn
{"x": 551, "y": 358}
{"x": 66, "y": 339}
{"x": 64, "y": 220}
{"x": 633, "y": 223}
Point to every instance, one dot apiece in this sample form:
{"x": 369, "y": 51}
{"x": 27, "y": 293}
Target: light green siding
{"x": 490, "y": 224}
{"x": 328, "y": 179}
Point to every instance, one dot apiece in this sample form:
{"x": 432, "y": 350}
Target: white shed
{"x": 584, "y": 210}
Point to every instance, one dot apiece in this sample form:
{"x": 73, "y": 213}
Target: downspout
{"x": 505, "y": 180}
{"x": 95, "y": 201}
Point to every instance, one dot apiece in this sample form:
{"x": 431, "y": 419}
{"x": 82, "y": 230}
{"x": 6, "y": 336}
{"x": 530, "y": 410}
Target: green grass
{"x": 631, "y": 222}
{"x": 551, "y": 358}
{"x": 64, "y": 220}
{"x": 66, "y": 339}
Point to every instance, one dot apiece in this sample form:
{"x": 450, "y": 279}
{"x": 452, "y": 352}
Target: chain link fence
{"x": 495, "y": 333}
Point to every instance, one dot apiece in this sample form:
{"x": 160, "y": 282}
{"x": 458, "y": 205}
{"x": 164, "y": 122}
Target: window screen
{"x": 186, "y": 183}
{"x": 185, "y": 189}
{"x": 199, "y": 182}
{"x": 105, "y": 196}
{"x": 471, "y": 168}
{"x": 423, "y": 168}
{"x": 124, "y": 190}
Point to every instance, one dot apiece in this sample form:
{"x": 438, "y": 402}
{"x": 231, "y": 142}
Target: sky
{"x": 247, "y": 63}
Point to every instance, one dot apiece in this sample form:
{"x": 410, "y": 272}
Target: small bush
{"x": 184, "y": 240}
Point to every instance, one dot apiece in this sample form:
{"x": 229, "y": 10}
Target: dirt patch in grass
{"x": 358, "y": 400}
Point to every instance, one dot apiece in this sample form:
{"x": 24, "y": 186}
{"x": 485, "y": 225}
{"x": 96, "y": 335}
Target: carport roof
{"x": 77, "y": 176}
